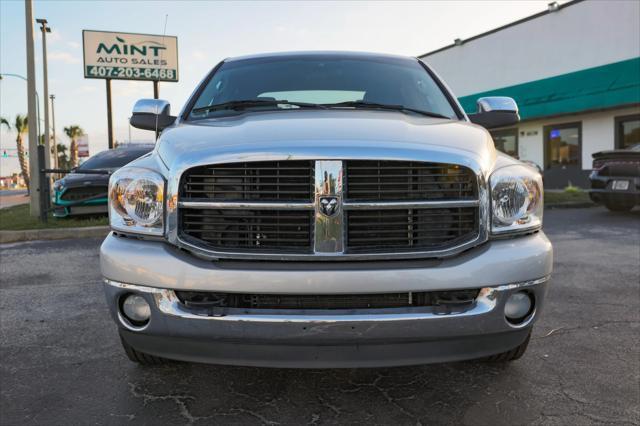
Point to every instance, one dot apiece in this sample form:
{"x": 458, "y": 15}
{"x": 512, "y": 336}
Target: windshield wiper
{"x": 373, "y": 105}
{"x": 248, "y": 103}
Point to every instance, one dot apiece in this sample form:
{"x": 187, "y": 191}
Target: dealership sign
{"x": 128, "y": 56}
{"x": 83, "y": 146}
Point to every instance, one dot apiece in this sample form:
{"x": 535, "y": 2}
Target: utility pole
{"x": 47, "y": 137}
{"x": 53, "y": 135}
{"x": 34, "y": 184}
{"x": 129, "y": 129}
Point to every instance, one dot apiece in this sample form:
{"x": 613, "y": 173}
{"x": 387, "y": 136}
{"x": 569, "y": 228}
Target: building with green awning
{"x": 574, "y": 71}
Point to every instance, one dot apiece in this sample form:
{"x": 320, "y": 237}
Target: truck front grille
{"x": 255, "y": 230}
{"x": 408, "y": 180}
{"x": 275, "y": 208}
{"x": 260, "y": 181}
{"x": 415, "y": 229}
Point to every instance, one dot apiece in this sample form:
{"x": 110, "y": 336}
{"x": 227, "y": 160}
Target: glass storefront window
{"x": 627, "y": 131}
{"x": 506, "y": 141}
{"x": 563, "y": 145}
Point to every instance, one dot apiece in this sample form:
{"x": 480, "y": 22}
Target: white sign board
{"x": 128, "y": 56}
{"x": 83, "y": 146}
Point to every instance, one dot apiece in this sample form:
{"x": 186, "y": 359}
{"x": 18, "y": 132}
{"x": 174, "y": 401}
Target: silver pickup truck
{"x": 325, "y": 209}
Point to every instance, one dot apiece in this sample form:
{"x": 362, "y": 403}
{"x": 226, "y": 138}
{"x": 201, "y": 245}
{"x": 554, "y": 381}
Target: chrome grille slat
{"x": 420, "y": 230}
{"x": 259, "y": 181}
{"x": 250, "y": 230}
{"x": 424, "y": 181}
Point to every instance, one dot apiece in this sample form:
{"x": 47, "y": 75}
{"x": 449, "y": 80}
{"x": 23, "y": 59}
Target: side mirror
{"x": 495, "y": 111}
{"x": 152, "y": 114}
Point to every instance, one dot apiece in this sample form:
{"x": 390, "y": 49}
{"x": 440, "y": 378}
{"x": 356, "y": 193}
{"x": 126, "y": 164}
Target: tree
{"x": 21, "y": 126}
{"x": 74, "y": 132}
{"x": 63, "y": 159}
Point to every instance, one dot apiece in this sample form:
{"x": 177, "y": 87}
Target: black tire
{"x": 618, "y": 206}
{"x": 512, "y": 355}
{"x": 141, "y": 357}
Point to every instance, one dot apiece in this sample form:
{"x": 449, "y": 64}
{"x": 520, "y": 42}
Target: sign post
{"x": 129, "y": 56}
{"x": 109, "y": 114}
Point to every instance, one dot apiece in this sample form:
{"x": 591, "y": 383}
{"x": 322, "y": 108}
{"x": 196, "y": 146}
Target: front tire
{"x": 141, "y": 357}
{"x": 513, "y": 354}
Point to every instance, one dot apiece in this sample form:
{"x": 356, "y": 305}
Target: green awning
{"x": 601, "y": 87}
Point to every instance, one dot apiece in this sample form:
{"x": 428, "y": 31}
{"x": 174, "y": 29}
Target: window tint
{"x": 114, "y": 158}
{"x": 563, "y": 145}
{"x": 628, "y": 131}
{"x": 326, "y": 79}
{"x": 506, "y": 141}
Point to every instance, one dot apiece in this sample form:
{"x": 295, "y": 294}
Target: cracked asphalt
{"x": 61, "y": 361}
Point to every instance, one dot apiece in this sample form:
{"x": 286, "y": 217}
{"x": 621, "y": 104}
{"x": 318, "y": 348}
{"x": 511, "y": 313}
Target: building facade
{"x": 574, "y": 71}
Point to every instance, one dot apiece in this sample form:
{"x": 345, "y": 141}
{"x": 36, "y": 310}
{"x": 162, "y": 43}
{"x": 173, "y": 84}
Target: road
{"x": 13, "y": 197}
{"x": 61, "y": 361}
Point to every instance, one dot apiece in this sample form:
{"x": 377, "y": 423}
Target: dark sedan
{"x": 615, "y": 178}
{"x": 84, "y": 190}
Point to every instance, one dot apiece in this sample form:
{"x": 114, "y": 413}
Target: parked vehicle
{"x": 615, "y": 178}
{"x": 84, "y": 191}
{"x": 325, "y": 210}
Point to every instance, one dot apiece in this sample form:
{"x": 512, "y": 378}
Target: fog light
{"x": 136, "y": 309}
{"x": 518, "y": 306}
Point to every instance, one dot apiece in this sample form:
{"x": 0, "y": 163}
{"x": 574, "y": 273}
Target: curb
{"x": 53, "y": 234}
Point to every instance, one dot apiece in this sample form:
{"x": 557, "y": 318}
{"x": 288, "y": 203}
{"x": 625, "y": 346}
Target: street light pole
{"x": 47, "y": 138}
{"x": 34, "y": 184}
{"x": 53, "y": 135}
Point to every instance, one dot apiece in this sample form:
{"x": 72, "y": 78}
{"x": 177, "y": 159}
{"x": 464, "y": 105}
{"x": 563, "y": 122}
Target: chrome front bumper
{"x": 367, "y": 338}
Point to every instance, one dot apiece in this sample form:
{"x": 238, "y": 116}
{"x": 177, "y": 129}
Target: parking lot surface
{"x": 61, "y": 362}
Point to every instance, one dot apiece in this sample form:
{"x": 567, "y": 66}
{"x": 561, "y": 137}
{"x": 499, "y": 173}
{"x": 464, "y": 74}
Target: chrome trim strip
{"x": 389, "y": 205}
{"x": 523, "y": 284}
{"x": 213, "y": 205}
{"x": 347, "y": 205}
{"x": 329, "y": 229}
{"x": 168, "y": 303}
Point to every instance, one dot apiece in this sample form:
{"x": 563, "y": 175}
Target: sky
{"x": 207, "y": 33}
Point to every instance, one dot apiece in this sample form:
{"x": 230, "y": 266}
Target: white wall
{"x": 580, "y": 36}
{"x": 598, "y": 133}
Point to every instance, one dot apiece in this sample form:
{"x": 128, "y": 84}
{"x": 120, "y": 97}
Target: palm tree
{"x": 21, "y": 126}
{"x": 74, "y": 132}
{"x": 63, "y": 159}
{"x": 5, "y": 122}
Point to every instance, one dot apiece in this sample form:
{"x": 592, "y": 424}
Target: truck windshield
{"x": 321, "y": 82}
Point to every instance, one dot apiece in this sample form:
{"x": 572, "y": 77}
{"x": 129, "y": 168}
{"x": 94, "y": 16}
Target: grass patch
{"x": 17, "y": 218}
{"x": 571, "y": 196}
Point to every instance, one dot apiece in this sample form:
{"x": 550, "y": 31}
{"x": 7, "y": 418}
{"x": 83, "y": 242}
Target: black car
{"x": 81, "y": 192}
{"x": 615, "y": 178}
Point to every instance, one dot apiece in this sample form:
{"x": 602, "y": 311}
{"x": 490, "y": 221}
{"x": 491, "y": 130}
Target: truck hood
{"x": 332, "y": 134}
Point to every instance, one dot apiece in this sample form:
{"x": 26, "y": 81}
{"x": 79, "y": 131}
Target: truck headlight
{"x": 516, "y": 200}
{"x": 136, "y": 201}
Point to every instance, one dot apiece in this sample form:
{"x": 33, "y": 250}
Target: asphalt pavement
{"x": 61, "y": 362}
